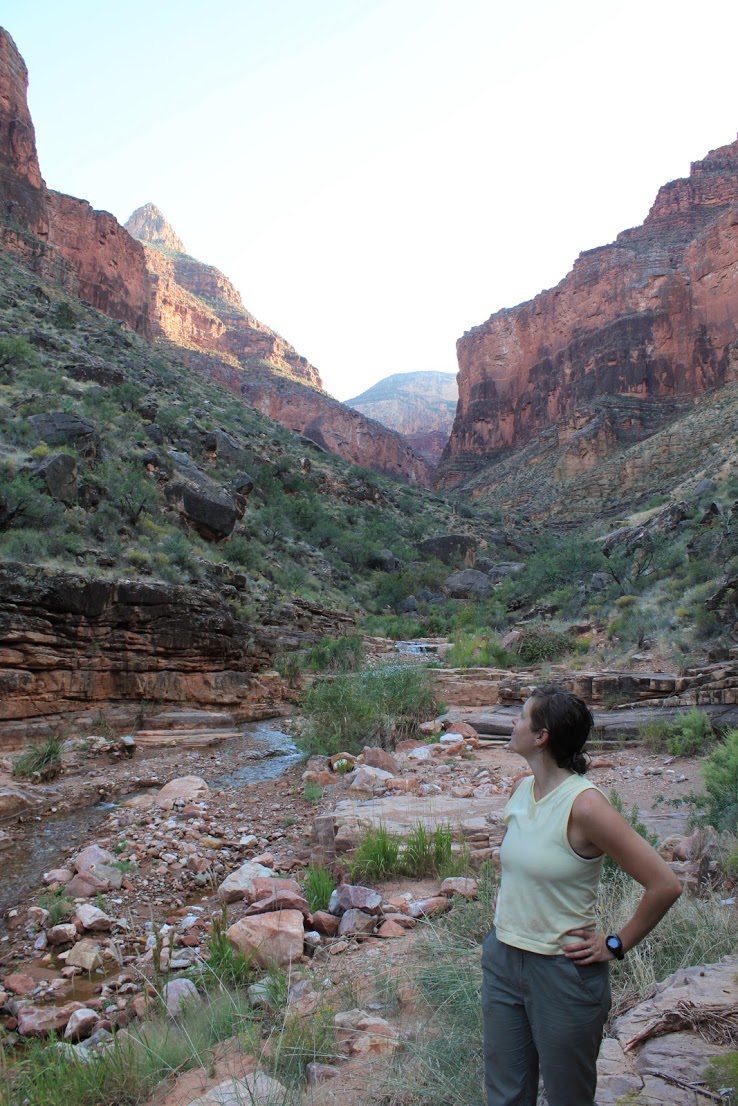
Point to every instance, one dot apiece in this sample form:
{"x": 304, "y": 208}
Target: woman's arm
{"x": 594, "y": 820}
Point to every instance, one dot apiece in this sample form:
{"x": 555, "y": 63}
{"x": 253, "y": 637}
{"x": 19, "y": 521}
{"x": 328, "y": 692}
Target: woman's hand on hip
{"x": 589, "y": 949}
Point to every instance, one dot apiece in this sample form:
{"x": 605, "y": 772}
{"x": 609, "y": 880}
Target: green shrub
{"x": 478, "y": 651}
{"x": 719, "y": 806}
{"x": 16, "y": 352}
{"x": 722, "y": 1072}
{"x": 541, "y": 643}
{"x": 349, "y": 711}
{"x": 337, "y": 654}
{"x": 691, "y": 734}
{"x": 65, "y": 317}
{"x": 655, "y": 735}
{"x": 43, "y": 759}
{"x": 312, "y": 792}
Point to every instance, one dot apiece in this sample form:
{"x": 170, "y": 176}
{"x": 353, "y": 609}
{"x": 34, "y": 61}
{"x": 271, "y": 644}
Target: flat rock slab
{"x": 401, "y": 813}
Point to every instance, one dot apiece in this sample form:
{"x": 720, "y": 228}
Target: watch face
{"x": 615, "y": 945}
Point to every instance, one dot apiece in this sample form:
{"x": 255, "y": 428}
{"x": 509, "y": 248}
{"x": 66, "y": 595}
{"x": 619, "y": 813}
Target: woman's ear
{"x": 542, "y": 738}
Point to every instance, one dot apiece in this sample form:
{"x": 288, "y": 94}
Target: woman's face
{"x": 523, "y": 740}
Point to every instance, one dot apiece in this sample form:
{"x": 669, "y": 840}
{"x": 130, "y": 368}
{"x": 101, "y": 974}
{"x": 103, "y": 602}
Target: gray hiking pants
{"x": 541, "y": 1010}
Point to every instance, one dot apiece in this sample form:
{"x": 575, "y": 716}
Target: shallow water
{"x": 262, "y": 753}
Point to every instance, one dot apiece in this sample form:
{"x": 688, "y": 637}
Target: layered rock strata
{"x": 70, "y": 644}
{"x": 650, "y": 317}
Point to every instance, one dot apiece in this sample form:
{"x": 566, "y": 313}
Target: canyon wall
{"x": 85, "y": 252}
{"x": 650, "y": 316}
{"x": 154, "y": 287}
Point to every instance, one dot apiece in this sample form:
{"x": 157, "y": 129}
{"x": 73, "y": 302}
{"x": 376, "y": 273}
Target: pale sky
{"x": 378, "y": 176}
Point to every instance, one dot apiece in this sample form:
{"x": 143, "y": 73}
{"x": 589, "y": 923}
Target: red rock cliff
{"x": 196, "y": 306}
{"x": 61, "y": 238}
{"x": 650, "y": 315}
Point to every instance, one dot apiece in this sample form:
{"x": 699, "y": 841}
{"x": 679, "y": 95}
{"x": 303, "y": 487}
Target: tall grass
{"x": 43, "y": 759}
{"x": 376, "y": 706}
{"x": 381, "y": 855}
{"x": 128, "y": 1071}
{"x": 318, "y": 885}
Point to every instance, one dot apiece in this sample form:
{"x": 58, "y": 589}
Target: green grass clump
{"x": 296, "y": 1042}
{"x": 43, "y": 759}
{"x": 381, "y": 855}
{"x": 318, "y": 886}
{"x": 226, "y": 966}
{"x": 722, "y": 1071}
{"x": 337, "y": 654}
{"x": 59, "y": 907}
{"x": 377, "y": 706}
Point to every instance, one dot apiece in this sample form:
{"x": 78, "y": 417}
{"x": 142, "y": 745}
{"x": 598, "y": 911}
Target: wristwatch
{"x": 615, "y": 946}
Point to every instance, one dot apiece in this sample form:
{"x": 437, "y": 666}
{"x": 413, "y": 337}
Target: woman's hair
{"x": 568, "y": 720}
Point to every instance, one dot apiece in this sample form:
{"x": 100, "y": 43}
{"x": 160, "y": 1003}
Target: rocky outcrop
{"x": 71, "y": 644}
{"x": 647, "y": 320}
{"x": 59, "y": 237}
{"x": 335, "y": 427}
{"x": 419, "y": 405}
{"x": 196, "y": 306}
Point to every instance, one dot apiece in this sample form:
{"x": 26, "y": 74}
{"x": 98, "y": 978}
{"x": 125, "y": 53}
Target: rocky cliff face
{"x": 650, "y": 317}
{"x": 336, "y": 427}
{"x": 420, "y": 406}
{"x": 61, "y": 238}
{"x": 69, "y": 644}
{"x": 197, "y": 307}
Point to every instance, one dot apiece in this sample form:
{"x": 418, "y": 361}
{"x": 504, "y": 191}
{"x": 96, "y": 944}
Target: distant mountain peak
{"x": 147, "y": 224}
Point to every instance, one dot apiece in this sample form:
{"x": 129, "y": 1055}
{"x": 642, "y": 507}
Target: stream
{"x": 262, "y": 753}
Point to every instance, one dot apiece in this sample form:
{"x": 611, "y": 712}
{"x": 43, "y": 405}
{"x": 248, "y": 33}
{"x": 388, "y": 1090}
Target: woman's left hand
{"x": 589, "y": 949}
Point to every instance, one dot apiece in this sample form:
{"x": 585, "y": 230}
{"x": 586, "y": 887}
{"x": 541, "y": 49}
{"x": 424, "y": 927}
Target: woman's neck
{"x": 547, "y": 774}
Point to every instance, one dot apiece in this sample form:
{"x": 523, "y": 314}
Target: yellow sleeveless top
{"x": 547, "y": 889}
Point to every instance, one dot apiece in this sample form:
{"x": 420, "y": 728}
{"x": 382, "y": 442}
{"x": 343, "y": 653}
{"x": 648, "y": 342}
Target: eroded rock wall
{"x": 651, "y": 315}
{"x": 70, "y": 644}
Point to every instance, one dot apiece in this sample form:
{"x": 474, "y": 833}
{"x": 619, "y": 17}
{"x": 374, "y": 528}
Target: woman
{"x": 546, "y": 989}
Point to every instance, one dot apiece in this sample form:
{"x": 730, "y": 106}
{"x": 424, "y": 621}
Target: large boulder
{"x": 60, "y": 428}
{"x": 271, "y": 939}
{"x": 187, "y": 789}
{"x": 58, "y": 473}
{"x": 240, "y": 884}
{"x": 450, "y": 548}
{"x": 468, "y": 584}
{"x": 205, "y": 506}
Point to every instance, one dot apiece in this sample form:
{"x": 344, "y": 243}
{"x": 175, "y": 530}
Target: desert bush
{"x": 687, "y": 736}
{"x": 16, "y": 353}
{"x": 318, "y": 885}
{"x": 64, "y": 316}
{"x": 719, "y": 807}
{"x": 543, "y": 643}
{"x": 43, "y": 759}
{"x": 23, "y": 502}
{"x": 337, "y": 654}
{"x": 478, "y": 651}
{"x": 350, "y": 710}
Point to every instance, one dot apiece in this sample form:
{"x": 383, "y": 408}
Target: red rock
{"x": 380, "y": 758}
{"x": 19, "y": 983}
{"x": 270, "y": 938}
{"x": 36, "y": 1022}
{"x": 325, "y": 923}
{"x": 624, "y": 322}
{"x": 390, "y": 929}
{"x": 280, "y": 900}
